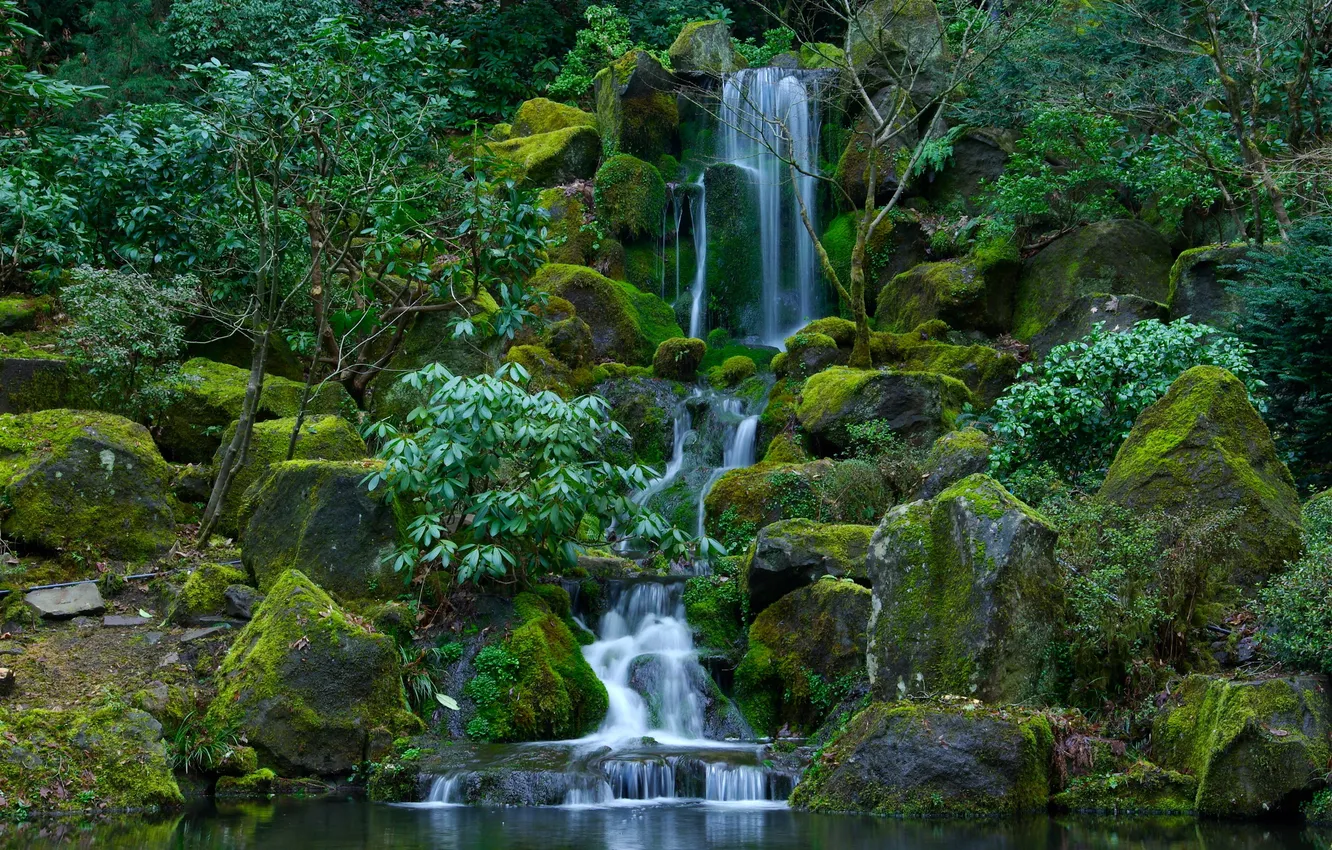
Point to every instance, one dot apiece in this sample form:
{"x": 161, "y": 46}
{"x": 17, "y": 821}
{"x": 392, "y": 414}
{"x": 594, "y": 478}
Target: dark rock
{"x": 792, "y": 553}
{"x": 1116, "y": 312}
{"x": 1199, "y": 286}
{"x": 953, "y": 457}
{"x": 119, "y": 621}
{"x": 240, "y": 600}
{"x": 7, "y": 682}
{"x": 61, "y": 603}
{"x": 193, "y": 635}
{"x": 704, "y": 47}
{"x": 721, "y": 718}
{"x": 918, "y": 406}
{"x": 637, "y": 112}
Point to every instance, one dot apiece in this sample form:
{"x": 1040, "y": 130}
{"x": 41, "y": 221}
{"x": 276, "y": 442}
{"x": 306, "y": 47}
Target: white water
{"x": 738, "y": 453}
{"x": 683, "y": 431}
{"x": 769, "y": 117}
{"x": 698, "y": 216}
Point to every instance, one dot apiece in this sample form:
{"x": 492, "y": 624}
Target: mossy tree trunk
{"x": 234, "y": 455}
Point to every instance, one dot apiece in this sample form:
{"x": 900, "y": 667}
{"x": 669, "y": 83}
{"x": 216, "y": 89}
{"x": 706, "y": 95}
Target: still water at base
{"x": 327, "y": 825}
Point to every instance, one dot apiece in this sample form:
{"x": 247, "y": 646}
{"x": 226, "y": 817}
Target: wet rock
{"x": 915, "y": 759}
{"x": 721, "y": 718}
{"x": 966, "y": 595}
{"x": 192, "y": 635}
{"x": 61, "y": 603}
{"x": 792, "y": 553}
{"x": 750, "y": 494}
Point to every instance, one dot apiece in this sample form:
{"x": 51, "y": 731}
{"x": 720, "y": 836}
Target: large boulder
{"x": 1116, "y": 313}
{"x": 734, "y": 264}
{"x": 891, "y": 39}
{"x": 96, "y": 759}
{"x": 321, "y": 437}
{"x": 678, "y": 359}
{"x": 630, "y": 197}
{"x": 211, "y": 397}
{"x": 34, "y": 375}
{"x": 984, "y": 370}
{"x": 540, "y": 115}
{"x": 636, "y": 107}
{"x": 79, "y": 480}
{"x": 568, "y": 211}
{"x": 704, "y": 47}
{"x": 312, "y": 690}
{"x": 1105, "y": 258}
{"x": 792, "y": 553}
{"x": 1199, "y": 286}
{"x": 317, "y": 516}
{"x": 891, "y": 249}
{"x": 967, "y": 595}
{"x": 806, "y": 651}
{"x": 554, "y": 158}
{"x": 644, "y": 406}
{"x": 953, "y": 457}
{"x": 1256, "y": 748}
{"x": 1203, "y": 448}
{"x": 854, "y": 165}
{"x": 758, "y": 495}
{"x": 627, "y": 324}
{"x": 967, "y": 294}
{"x": 954, "y": 758}
{"x": 918, "y": 406}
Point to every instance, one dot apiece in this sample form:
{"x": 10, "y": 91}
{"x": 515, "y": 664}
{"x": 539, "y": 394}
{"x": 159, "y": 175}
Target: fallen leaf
{"x": 447, "y": 701}
{"x": 144, "y": 614}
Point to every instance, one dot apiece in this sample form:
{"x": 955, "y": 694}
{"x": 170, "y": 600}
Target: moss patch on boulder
{"x": 1144, "y": 789}
{"x": 540, "y": 115}
{"x": 734, "y": 274}
{"x": 637, "y": 111}
{"x": 1199, "y": 286}
{"x": 704, "y": 47}
{"x": 918, "y": 406}
{"x": 204, "y": 592}
{"x": 630, "y": 197}
{"x": 567, "y": 216}
{"x": 762, "y": 494}
{"x": 986, "y": 371}
{"x": 678, "y": 359}
{"x": 627, "y": 324}
{"x": 967, "y": 294}
{"x": 554, "y": 158}
{"x": 953, "y": 457}
{"x": 732, "y": 372}
{"x": 792, "y": 553}
{"x": 23, "y": 312}
{"x": 312, "y": 691}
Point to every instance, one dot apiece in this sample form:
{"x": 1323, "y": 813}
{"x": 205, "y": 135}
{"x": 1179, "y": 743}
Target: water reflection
{"x": 345, "y": 825}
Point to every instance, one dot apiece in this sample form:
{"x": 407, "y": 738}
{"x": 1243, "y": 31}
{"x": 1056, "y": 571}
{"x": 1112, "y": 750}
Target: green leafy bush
{"x": 1073, "y": 409}
{"x": 776, "y": 41}
{"x": 245, "y": 31}
{"x": 1297, "y": 605}
{"x": 605, "y": 37}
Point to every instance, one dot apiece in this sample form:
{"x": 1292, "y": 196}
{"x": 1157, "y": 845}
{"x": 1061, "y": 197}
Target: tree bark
{"x": 234, "y": 455}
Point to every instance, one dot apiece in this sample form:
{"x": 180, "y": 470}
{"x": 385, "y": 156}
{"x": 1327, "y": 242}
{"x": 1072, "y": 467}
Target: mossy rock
{"x": 952, "y": 758}
{"x": 35, "y": 376}
{"x": 1256, "y": 748}
{"x": 1202, "y": 447}
{"x": 540, "y": 115}
{"x": 806, "y": 650}
{"x": 630, "y": 197}
{"x": 918, "y": 406}
{"x": 651, "y": 269}
{"x": 889, "y": 160}
{"x": 109, "y": 758}
{"x": 986, "y": 371}
{"x": 763, "y": 493}
{"x": 317, "y": 516}
{"x": 637, "y": 112}
{"x": 570, "y": 341}
{"x": 953, "y": 457}
{"x": 1144, "y": 789}
{"x": 897, "y": 245}
{"x": 704, "y": 47}
{"x": 967, "y": 595}
{"x": 808, "y": 353}
{"x": 77, "y": 480}
{"x": 627, "y": 324}
{"x": 429, "y": 339}
{"x": 1200, "y": 283}
{"x": 886, "y": 33}
{"x": 966, "y": 294}
{"x": 817, "y": 55}
{"x": 211, "y": 398}
{"x": 779, "y": 414}
{"x": 644, "y": 406}
{"x": 554, "y": 158}
{"x": 554, "y": 694}
{"x": 734, "y": 272}
{"x": 546, "y": 372}
{"x": 322, "y": 437}
{"x": 311, "y": 690}
{"x": 23, "y": 312}
{"x": 792, "y": 553}
{"x": 732, "y": 372}
{"x": 204, "y": 592}
{"x": 258, "y": 783}
{"x": 1117, "y": 257}
{"x": 786, "y": 448}
{"x": 1116, "y": 313}
{"x": 567, "y": 215}
{"x": 678, "y": 359}
{"x": 978, "y": 160}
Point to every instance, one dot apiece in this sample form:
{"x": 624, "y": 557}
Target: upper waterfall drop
{"x": 770, "y": 128}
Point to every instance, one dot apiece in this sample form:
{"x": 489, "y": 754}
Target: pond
{"x": 356, "y": 825}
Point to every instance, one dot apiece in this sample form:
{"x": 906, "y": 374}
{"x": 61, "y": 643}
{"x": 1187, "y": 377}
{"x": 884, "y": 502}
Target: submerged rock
{"x": 967, "y": 595}
{"x": 86, "y": 480}
{"x": 1203, "y": 448}
{"x": 918, "y": 406}
{"x": 792, "y": 553}
{"x": 916, "y": 759}
{"x": 806, "y": 651}
{"x": 1255, "y": 748}
{"x": 311, "y": 690}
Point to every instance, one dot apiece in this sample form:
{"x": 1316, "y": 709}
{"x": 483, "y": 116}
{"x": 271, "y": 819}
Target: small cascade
{"x": 738, "y": 453}
{"x": 641, "y": 780}
{"x": 445, "y": 791}
{"x": 725, "y": 783}
{"x": 698, "y": 220}
{"x": 682, "y": 432}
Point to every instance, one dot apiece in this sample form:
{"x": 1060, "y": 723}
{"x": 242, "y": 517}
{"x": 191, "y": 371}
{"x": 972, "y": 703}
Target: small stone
{"x": 199, "y": 634}
{"x": 120, "y": 621}
{"x": 1246, "y": 650}
{"x": 152, "y": 638}
{"x": 7, "y": 681}
{"x": 154, "y": 698}
{"x": 169, "y": 659}
{"x": 60, "y": 603}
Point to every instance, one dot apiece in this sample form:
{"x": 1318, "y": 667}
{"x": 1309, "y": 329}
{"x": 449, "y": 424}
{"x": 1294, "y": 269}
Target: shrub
{"x": 1297, "y": 606}
{"x": 1074, "y": 409}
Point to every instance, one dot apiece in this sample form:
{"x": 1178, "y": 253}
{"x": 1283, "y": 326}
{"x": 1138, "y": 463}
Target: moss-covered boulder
{"x": 637, "y": 112}
{"x": 888, "y": 35}
{"x": 644, "y": 407}
{"x": 1116, "y": 313}
{"x": 211, "y": 399}
{"x": 1202, "y": 447}
{"x": 953, "y": 456}
{"x": 536, "y": 685}
{"x": 317, "y": 516}
{"x": 817, "y": 55}
{"x": 889, "y": 160}
{"x": 312, "y": 690}
{"x": 627, "y": 324}
{"x": 967, "y": 294}
{"x": 732, "y": 372}
{"x": 762, "y": 494}
{"x": 568, "y": 214}
{"x": 1256, "y": 748}
{"x": 918, "y": 406}
{"x": 967, "y": 595}
{"x": 540, "y": 115}
{"x": 1143, "y": 789}
{"x": 704, "y": 47}
{"x": 984, "y": 370}
{"x": 23, "y": 312}
{"x": 952, "y": 758}
{"x": 205, "y": 592}
{"x": 1199, "y": 286}
{"x": 678, "y": 359}
{"x": 321, "y": 437}
{"x": 792, "y": 553}
{"x": 109, "y": 758}
{"x": 570, "y": 340}
{"x": 546, "y": 372}
{"x": 35, "y": 376}
{"x": 554, "y": 158}
{"x": 810, "y": 353}
{"x": 1115, "y": 257}
{"x": 630, "y": 197}
{"x": 894, "y": 247}
{"x": 806, "y": 652}
{"x": 79, "y": 480}
{"x": 734, "y": 273}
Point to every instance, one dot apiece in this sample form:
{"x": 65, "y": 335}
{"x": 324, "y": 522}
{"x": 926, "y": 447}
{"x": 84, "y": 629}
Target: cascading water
{"x": 769, "y": 120}
{"x": 738, "y": 453}
{"x": 698, "y": 219}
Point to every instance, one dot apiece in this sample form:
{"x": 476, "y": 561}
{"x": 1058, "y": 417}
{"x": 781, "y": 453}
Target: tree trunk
{"x": 236, "y": 450}
{"x": 860, "y": 351}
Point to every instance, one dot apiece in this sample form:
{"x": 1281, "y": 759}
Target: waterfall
{"x": 682, "y": 431}
{"x": 677, "y": 207}
{"x": 444, "y": 791}
{"x": 698, "y": 217}
{"x": 738, "y": 452}
{"x": 769, "y": 118}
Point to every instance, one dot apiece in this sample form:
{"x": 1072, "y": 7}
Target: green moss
{"x": 818, "y": 54}
{"x": 703, "y": 46}
{"x": 732, "y": 372}
{"x": 734, "y": 266}
{"x": 714, "y": 607}
{"x": 779, "y": 414}
{"x": 23, "y": 312}
{"x": 545, "y": 369}
{"x": 974, "y": 293}
{"x": 203, "y": 592}
{"x": 103, "y": 758}
{"x": 635, "y": 113}
{"x": 570, "y": 239}
{"x": 1144, "y": 789}
{"x": 554, "y": 158}
{"x": 839, "y": 395}
{"x": 540, "y": 115}
{"x": 678, "y": 359}
{"x": 259, "y": 783}
{"x": 625, "y": 322}
{"x": 785, "y": 448}
{"x": 630, "y": 197}
{"x": 760, "y": 494}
